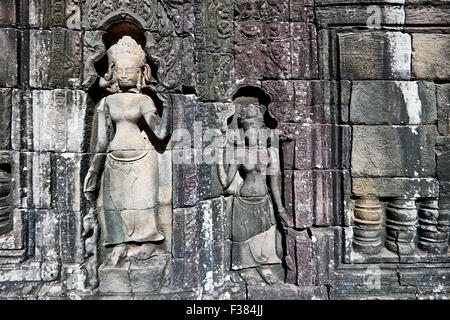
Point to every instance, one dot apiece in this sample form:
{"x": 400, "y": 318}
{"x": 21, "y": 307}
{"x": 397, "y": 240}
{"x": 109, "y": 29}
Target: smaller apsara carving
{"x": 256, "y": 240}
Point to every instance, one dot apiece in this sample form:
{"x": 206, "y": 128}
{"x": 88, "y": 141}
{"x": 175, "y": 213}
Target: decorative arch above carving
{"x": 155, "y": 24}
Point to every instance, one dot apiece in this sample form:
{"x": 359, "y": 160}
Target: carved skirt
{"x": 256, "y": 240}
{"x": 130, "y": 190}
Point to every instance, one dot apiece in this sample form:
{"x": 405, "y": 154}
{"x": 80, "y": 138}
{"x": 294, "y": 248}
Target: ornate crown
{"x": 250, "y": 108}
{"x": 126, "y": 46}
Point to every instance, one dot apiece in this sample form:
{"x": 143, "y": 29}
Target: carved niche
{"x": 249, "y": 171}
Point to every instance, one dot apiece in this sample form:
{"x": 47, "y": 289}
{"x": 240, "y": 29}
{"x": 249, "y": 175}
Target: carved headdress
{"x": 250, "y": 111}
{"x": 125, "y": 48}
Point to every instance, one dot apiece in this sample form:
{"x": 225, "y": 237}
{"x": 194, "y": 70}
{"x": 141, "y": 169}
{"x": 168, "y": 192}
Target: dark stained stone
{"x": 8, "y": 13}
{"x": 443, "y": 108}
{"x": 443, "y": 158}
{"x": 5, "y": 118}
{"x": 50, "y": 68}
{"x": 359, "y": 15}
{"x": 9, "y": 58}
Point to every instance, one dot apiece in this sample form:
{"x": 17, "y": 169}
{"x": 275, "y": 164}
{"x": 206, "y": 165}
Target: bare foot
{"x": 143, "y": 252}
{"x": 250, "y": 276}
{"x": 267, "y": 275}
{"x": 118, "y": 253}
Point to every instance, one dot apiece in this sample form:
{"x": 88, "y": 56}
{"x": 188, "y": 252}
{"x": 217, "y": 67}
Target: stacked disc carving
{"x": 367, "y": 220}
{"x": 5, "y": 198}
{"x": 433, "y": 228}
{"x": 401, "y": 219}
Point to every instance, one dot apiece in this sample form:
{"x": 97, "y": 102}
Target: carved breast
{"x": 125, "y": 107}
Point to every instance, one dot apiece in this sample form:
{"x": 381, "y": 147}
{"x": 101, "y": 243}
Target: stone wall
{"x": 359, "y": 90}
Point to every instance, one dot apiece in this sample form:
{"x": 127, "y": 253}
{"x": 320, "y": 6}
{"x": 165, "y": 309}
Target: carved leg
{"x": 143, "y": 251}
{"x": 267, "y": 274}
{"x": 118, "y": 253}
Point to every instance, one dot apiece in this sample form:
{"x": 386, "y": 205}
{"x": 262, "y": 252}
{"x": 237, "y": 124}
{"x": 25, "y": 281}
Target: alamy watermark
{"x": 230, "y": 146}
{"x": 372, "y": 278}
{"x": 374, "y": 20}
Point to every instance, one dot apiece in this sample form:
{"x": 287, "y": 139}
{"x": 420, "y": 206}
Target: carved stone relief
{"x": 256, "y": 207}
{"x": 125, "y": 169}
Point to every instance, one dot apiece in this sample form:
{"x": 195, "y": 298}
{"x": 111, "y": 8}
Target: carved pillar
{"x": 433, "y": 228}
{"x": 401, "y": 218}
{"x": 367, "y": 220}
{"x": 6, "y": 210}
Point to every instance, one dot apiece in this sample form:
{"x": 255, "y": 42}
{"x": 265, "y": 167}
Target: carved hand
{"x": 89, "y": 222}
{"x": 283, "y": 217}
{"x": 90, "y": 186}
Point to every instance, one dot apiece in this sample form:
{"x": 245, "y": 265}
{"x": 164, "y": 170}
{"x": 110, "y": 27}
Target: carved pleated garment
{"x": 129, "y": 204}
{"x": 256, "y": 240}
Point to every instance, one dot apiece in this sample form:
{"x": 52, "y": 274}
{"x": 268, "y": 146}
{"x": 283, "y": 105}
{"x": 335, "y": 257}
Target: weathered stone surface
{"x": 55, "y": 58}
{"x": 443, "y": 158}
{"x": 72, "y": 246}
{"x": 431, "y": 56}
{"x": 22, "y": 120}
{"x": 5, "y": 118}
{"x": 393, "y": 102}
{"x": 73, "y": 278}
{"x": 150, "y": 14}
{"x": 262, "y": 10}
{"x": 328, "y": 60}
{"x": 188, "y": 65}
{"x": 427, "y": 15}
{"x": 148, "y": 276}
{"x": 9, "y": 59}
{"x": 359, "y": 15}
{"x": 32, "y": 180}
{"x": 375, "y": 55}
{"x": 115, "y": 279}
{"x": 279, "y": 91}
{"x": 8, "y": 13}
{"x": 67, "y": 187}
{"x": 185, "y": 181}
{"x": 250, "y": 52}
{"x": 301, "y": 10}
{"x": 275, "y": 50}
{"x": 334, "y": 2}
{"x": 304, "y": 51}
{"x": 443, "y": 108}
{"x": 393, "y": 151}
{"x": 166, "y": 53}
{"x": 263, "y": 50}
{"x": 278, "y": 50}
{"x": 47, "y": 243}
{"x": 323, "y": 249}
{"x": 444, "y": 195}
{"x": 304, "y": 257}
{"x": 214, "y": 76}
{"x": 214, "y": 25}
{"x": 55, "y": 13}
{"x": 12, "y": 242}
{"x": 316, "y": 198}
{"x": 396, "y": 187}
{"x": 58, "y": 120}
{"x": 316, "y": 146}
{"x": 27, "y": 272}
